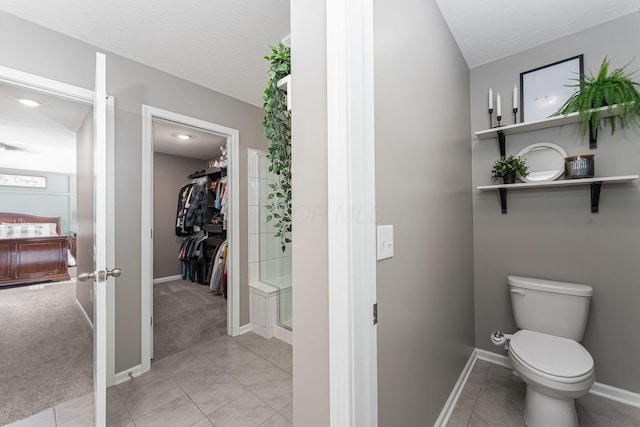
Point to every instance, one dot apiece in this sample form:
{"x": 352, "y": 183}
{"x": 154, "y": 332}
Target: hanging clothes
{"x": 192, "y": 207}
{"x": 193, "y": 259}
{"x": 219, "y": 269}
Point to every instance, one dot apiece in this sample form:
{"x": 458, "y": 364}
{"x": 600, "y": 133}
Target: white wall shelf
{"x": 285, "y": 84}
{"x": 596, "y": 184}
{"x": 550, "y": 122}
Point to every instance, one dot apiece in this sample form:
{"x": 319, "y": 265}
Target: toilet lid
{"x": 556, "y": 356}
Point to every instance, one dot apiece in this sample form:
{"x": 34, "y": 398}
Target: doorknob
{"x": 86, "y": 276}
{"x": 116, "y": 272}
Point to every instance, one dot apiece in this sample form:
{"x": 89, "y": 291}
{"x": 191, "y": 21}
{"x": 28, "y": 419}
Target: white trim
{"x": 123, "y": 377}
{"x": 166, "y": 279}
{"x": 495, "y": 358}
{"x": 443, "y": 419}
{"x": 111, "y": 242}
{"x": 244, "y": 329}
{"x": 283, "y": 334}
{"x": 233, "y": 231}
{"x": 41, "y": 84}
{"x": 608, "y": 392}
{"x": 613, "y": 393}
{"x": 84, "y": 313}
{"x": 351, "y": 213}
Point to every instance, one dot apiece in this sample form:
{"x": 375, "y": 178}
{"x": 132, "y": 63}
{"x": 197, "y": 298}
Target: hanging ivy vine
{"x": 277, "y": 129}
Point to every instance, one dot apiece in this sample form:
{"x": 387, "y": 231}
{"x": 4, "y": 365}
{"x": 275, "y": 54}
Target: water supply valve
{"x": 500, "y": 338}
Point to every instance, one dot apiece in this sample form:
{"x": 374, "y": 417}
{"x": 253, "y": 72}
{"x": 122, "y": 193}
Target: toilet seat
{"x": 554, "y": 358}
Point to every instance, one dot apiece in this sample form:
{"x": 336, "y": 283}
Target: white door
{"x": 101, "y": 273}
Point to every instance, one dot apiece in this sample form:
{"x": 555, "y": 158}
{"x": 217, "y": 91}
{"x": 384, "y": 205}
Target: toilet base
{"x": 541, "y": 410}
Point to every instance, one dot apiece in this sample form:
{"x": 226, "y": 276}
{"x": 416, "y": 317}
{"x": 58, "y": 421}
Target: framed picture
{"x": 544, "y": 90}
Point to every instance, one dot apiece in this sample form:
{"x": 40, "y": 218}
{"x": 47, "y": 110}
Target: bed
{"x": 32, "y": 250}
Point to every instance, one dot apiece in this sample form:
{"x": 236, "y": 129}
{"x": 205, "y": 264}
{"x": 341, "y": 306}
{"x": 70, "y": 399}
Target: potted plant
{"x": 508, "y": 168}
{"x": 604, "y": 89}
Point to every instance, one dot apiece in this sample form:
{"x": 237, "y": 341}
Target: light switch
{"x": 385, "y": 242}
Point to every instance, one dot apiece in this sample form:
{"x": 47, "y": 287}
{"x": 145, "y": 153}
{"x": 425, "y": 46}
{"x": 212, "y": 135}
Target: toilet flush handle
{"x": 518, "y": 291}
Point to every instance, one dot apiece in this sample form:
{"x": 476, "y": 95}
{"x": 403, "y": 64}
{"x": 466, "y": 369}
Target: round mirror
{"x": 545, "y": 161}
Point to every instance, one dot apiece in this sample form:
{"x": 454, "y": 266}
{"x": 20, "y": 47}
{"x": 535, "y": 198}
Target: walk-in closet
{"x": 190, "y": 248}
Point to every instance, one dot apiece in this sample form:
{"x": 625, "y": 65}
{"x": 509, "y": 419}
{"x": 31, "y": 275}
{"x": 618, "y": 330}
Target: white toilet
{"x": 546, "y": 353}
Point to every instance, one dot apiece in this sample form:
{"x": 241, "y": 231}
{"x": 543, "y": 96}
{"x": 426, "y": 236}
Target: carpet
{"x": 46, "y": 349}
{"x": 185, "y": 314}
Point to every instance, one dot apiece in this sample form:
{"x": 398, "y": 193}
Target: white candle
{"x": 490, "y": 99}
{"x": 498, "y": 106}
{"x": 515, "y": 97}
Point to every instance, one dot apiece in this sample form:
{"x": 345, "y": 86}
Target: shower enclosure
{"x": 275, "y": 264}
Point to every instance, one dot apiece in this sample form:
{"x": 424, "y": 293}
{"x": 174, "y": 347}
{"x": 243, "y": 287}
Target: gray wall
{"x": 55, "y": 56}
{"x": 57, "y": 200}
{"x": 169, "y": 175}
{"x": 84, "y": 248}
{"x": 423, "y": 188}
{"x": 551, "y": 233}
{"x": 309, "y": 248}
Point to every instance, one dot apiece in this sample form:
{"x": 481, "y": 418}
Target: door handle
{"x": 86, "y": 276}
{"x": 116, "y": 272}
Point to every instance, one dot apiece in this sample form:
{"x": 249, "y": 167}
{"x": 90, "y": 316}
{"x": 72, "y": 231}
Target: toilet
{"x": 546, "y": 352}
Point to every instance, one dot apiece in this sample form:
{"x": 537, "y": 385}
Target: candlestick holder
{"x": 515, "y": 115}
{"x": 499, "y": 118}
{"x": 490, "y": 118}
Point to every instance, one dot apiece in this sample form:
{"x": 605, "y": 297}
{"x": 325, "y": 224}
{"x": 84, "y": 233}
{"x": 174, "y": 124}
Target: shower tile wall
{"x": 267, "y": 262}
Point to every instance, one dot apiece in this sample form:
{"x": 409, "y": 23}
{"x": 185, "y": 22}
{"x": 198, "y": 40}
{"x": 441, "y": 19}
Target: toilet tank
{"x": 555, "y": 308}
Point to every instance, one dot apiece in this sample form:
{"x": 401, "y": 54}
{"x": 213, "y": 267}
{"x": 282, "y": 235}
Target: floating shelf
{"x": 596, "y": 184}
{"x": 285, "y": 84}
{"x": 547, "y": 123}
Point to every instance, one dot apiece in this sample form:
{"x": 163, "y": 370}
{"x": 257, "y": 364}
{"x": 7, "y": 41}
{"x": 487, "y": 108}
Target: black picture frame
{"x": 544, "y": 90}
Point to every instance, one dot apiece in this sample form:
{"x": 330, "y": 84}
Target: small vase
{"x": 509, "y": 178}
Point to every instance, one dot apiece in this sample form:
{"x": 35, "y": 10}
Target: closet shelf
{"x": 204, "y": 172}
{"x": 596, "y": 184}
{"x": 547, "y": 123}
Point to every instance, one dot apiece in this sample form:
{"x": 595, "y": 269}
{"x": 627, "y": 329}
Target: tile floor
{"x": 494, "y": 397}
{"x": 243, "y": 381}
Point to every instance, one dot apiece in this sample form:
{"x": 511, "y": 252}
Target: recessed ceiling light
{"x": 29, "y": 102}
{"x": 184, "y": 136}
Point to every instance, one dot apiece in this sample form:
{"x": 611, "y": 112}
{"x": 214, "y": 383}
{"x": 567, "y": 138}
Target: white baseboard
{"x": 455, "y": 393}
{"x": 167, "y": 279}
{"x": 244, "y": 329}
{"x": 123, "y": 376}
{"x": 283, "y": 334}
{"x": 84, "y": 313}
{"x": 619, "y": 395}
{"x": 608, "y": 392}
{"x": 495, "y": 358}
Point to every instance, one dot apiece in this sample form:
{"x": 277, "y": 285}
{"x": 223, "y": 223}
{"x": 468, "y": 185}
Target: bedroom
{"x": 39, "y": 147}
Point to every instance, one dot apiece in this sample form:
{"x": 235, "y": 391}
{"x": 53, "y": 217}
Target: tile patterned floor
{"x": 225, "y": 382}
{"x": 494, "y": 397}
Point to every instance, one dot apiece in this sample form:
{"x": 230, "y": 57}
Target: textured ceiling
{"x": 490, "y": 30}
{"x": 202, "y": 145}
{"x": 219, "y": 44}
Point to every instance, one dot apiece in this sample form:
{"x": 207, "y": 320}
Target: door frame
{"x": 233, "y": 230}
{"x": 37, "y": 83}
{"x": 353, "y": 389}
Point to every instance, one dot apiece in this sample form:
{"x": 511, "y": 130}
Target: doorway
{"x": 190, "y": 227}
{"x": 70, "y": 106}
{"x": 151, "y": 118}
